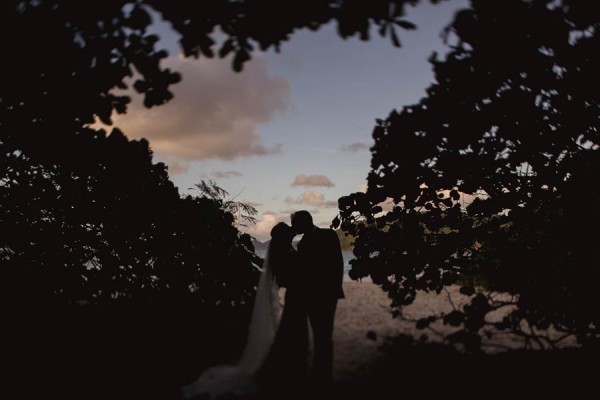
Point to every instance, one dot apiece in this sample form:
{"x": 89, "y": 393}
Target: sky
{"x": 291, "y": 131}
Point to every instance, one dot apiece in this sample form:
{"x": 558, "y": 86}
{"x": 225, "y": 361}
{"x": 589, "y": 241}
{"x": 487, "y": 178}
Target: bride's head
{"x": 282, "y": 233}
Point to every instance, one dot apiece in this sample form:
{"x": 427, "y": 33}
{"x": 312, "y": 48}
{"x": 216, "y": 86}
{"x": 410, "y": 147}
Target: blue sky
{"x": 287, "y": 114}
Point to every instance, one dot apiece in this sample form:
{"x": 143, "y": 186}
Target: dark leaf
{"x": 336, "y": 222}
{"x": 394, "y": 37}
{"x": 405, "y": 24}
{"x": 454, "y": 318}
{"x": 423, "y": 323}
{"x": 372, "y": 335}
{"x": 241, "y": 56}
{"x": 139, "y": 18}
{"x": 228, "y": 47}
{"x": 383, "y": 29}
{"x": 467, "y": 290}
{"x": 140, "y": 86}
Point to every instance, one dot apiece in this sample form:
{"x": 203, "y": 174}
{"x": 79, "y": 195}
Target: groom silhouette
{"x": 321, "y": 258}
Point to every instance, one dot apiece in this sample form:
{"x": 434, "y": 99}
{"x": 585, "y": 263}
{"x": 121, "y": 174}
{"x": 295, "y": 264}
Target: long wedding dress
{"x": 239, "y": 379}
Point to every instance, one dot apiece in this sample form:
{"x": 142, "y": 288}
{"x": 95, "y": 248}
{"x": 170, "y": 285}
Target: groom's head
{"x": 302, "y": 222}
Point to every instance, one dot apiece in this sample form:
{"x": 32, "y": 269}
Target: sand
{"x": 366, "y": 308}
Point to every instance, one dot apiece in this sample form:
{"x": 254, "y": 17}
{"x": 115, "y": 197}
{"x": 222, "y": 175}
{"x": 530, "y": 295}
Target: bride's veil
{"x": 265, "y": 320}
{"x": 266, "y": 314}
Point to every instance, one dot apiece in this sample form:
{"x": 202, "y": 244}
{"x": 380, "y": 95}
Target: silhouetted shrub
{"x": 491, "y": 174}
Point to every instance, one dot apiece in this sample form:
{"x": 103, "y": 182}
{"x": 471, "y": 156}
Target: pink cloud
{"x": 311, "y": 198}
{"x": 354, "y": 147}
{"x": 176, "y": 167}
{"x": 312, "y": 180}
{"x": 226, "y": 174}
{"x": 215, "y": 113}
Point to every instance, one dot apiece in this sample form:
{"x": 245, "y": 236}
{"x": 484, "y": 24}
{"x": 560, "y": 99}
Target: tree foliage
{"x": 86, "y": 216}
{"x": 492, "y": 174}
{"x": 79, "y": 52}
{"x": 103, "y": 260}
{"x": 92, "y": 208}
{"x": 243, "y": 213}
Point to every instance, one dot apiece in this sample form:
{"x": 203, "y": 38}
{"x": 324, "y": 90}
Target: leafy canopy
{"x": 492, "y": 174}
{"x": 89, "y": 211}
{"x": 88, "y": 218}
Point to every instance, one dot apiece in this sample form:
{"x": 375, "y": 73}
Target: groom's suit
{"x": 321, "y": 259}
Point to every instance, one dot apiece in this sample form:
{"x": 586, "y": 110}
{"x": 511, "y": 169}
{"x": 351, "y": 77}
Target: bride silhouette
{"x": 275, "y": 355}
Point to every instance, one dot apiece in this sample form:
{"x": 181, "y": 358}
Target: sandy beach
{"x": 366, "y": 309}
{"x": 366, "y": 312}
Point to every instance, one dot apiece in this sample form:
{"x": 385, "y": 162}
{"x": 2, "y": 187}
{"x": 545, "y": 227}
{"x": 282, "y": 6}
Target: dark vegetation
{"x": 492, "y": 176}
{"x": 114, "y": 285}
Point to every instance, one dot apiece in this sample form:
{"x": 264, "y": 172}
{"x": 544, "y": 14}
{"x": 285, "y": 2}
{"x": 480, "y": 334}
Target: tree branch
{"x": 450, "y": 298}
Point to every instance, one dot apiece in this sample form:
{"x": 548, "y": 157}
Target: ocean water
{"x": 346, "y": 254}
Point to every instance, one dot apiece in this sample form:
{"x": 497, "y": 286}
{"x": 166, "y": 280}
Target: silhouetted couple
{"x": 275, "y": 356}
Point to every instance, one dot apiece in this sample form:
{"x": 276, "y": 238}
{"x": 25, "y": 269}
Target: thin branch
{"x": 450, "y": 299}
{"x": 535, "y": 336}
{"x": 551, "y": 343}
{"x": 499, "y": 304}
{"x": 440, "y": 334}
{"x": 240, "y": 192}
{"x": 563, "y": 337}
{"x": 529, "y": 337}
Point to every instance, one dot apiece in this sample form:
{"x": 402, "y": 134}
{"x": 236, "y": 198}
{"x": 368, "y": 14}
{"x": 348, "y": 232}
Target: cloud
{"x": 215, "y": 112}
{"x": 252, "y": 203}
{"x": 466, "y": 199}
{"x": 312, "y": 180}
{"x": 324, "y": 224}
{"x": 262, "y": 229}
{"x": 290, "y": 211}
{"x": 226, "y": 174}
{"x": 354, "y": 147}
{"x": 387, "y": 205}
{"x": 176, "y": 167}
{"x": 311, "y": 198}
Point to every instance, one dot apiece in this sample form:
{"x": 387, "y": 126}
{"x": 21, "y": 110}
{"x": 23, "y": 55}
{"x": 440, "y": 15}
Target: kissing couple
{"x": 276, "y": 354}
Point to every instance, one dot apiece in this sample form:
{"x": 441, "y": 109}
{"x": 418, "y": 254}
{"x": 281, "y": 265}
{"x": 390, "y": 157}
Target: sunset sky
{"x": 293, "y": 130}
